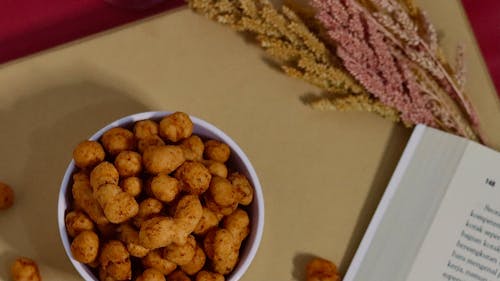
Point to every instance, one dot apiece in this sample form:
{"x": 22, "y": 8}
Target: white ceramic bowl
{"x": 238, "y": 161}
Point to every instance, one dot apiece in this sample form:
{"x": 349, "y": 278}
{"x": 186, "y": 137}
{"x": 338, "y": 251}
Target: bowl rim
{"x": 242, "y": 266}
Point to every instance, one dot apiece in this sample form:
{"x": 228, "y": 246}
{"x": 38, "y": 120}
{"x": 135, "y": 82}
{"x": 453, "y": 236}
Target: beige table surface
{"x": 322, "y": 172}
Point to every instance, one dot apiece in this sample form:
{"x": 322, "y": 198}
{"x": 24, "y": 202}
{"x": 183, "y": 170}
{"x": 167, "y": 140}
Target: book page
{"x": 463, "y": 242}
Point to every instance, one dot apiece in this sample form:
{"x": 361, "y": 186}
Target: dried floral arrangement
{"x": 380, "y": 56}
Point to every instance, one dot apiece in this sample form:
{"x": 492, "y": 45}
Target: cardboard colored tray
{"x": 322, "y": 172}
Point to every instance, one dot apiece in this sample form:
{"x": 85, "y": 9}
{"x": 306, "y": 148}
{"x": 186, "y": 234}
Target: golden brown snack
{"x": 81, "y": 176}
{"x": 77, "y": 222}
{"x": 148, "y": 208}
{"x": 222, "y": 192}
{"x": 243, "y": 188}
{"x": 178, "y": 275}
{"x": 180, "y": 254}
{"x": 196, "y": 264}
{"x": 85, "y": 246}
{"x": 6, "y": 196}
{"x": 115, "y": 260}
{"x": 151, "y": 274}
{"x": 216, "y": 168}
{"x": 103, "y": 275}
{"x": 217, "y": 209}
{"x": 176, "y": 126}
{"x": 209, "y": 276}
{"x": 208, "y": 243}
{"x": 88, "y": 153}
{"x": 25, "y": 269}
{"x": 165, "y": 188}
{"x": 162, "y": 159}
{"x": 319, "y": 269}
{"x": 158, "y": 232}
{"x": 154, "y": 260}
{"x": 84, "y": 198}
{"x": 225, "y": 252}
{"x": 132, "y": 185}
{"x": 130, "y": 236}
{"x": 193, "y": 148}
{"x": 217, "y": 151}
{"x": 238, "y": 223}
{"x": 118, "y": 206}
{"x": 102, "y": 174}
{"x": 128, "y": 163}
{"x": 145, "y": 128}
{"x": 144, "y": 143}
{"x": 207, "y": 221}
{"x": 187, "y": 215}
{"x": 195, "y": 177}
{"x": 117, "y": 140}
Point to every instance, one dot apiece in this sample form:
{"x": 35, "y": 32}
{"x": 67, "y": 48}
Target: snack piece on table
{"x": 25, "y": 269}
{"x": 319, "y": 269}
{"x": 6, "y": 196}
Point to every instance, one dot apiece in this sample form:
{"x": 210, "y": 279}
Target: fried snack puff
{"x": 144, "y": 143}
{"x": 128, "y": 163}
{"x": 154, "y": 260}
{"x": 25, "y": 269}
{"x": 118, "y": 206}
{"x": 84, "y": 198}
{"x": 196, "y": 264}
{"x": 187, "y": 215}
{"x": 85, "y": 247}
{"x": 193, "y": 148}
{"x": 130, "y": 236}
{"x": 216, "y": 168}
{"x": 145, "y": 128}
{"x": 225, "y": 252}
{"x": 238, "y": 224}
{"x": 117, "y": 140}
{"x": 209, "y": 276}
{"x": 158, "y": 232}
{"x": 165, "y": 188}
{"x": 77, "y": 222}
{"x": 195, "y": 177}
{"x": 104, "y": 173}
{"x": 178, "y": 275}
{"x": 6, "y": 196}
{"x": 115, "y": 261}
{"x": 222, "y": 192}
{"x": 162, "y": 159}
{"x": 319, "y": 269}
{"x": 208, "y": 220}
{"x": 151, "y": 274}
{"x": 181, "y": 254}
{"x": 176, "y": 126}
{"x": 243, "y": 188}
{"x": 88, "y": 154}
{"x": 217, "y": 209}
{"x": 217, "y": 151}
{"x": 148, "y": 208}
{"x": 132, "y": 185}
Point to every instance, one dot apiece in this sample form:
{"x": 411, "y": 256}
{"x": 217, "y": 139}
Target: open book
{"x": 439, "y": 218}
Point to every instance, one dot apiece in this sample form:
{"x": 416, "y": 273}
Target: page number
{"x": 490, "y": 182}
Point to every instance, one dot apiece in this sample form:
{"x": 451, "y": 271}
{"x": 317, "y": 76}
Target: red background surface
{"x": 28, "y": 26}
